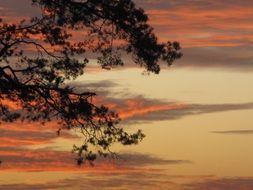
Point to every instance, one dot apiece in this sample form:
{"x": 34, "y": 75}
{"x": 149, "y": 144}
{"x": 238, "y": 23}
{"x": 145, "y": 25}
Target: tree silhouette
{"x": 39, "y": 55}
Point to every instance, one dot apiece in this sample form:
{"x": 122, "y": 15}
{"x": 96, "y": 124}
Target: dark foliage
{"x": 38, "y": 56}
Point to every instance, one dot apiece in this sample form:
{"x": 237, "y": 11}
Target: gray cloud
{"x": 100, "y": 181}
{"x": 144, "y": 180}
{"x": 236, "y": 132}
{"x": 101, "y": 88}
{"x": 222, "y": 184}
{"x": 208, "y": 4}
{"x": 37, "y": 160}
{"x": 220, "y": 39}
{"x": 121, "y": 181}
{"x": 188, "y": 110}
{"x": 18, "y": 8}
{"x": 16, "y": 158}
{"x": 33, "y": 135}
{"x": 104, "y": 90}
{"x": 229, "y": 58}
{"x": 140, "y": 160}
{"x": 14, "y": 138}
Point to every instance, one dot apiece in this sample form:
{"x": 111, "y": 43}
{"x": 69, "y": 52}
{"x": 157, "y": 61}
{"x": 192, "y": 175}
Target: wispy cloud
{"x": 18, "y": 9}
{"x": 188, "y": 110}
{"x": 137, "y": 108}
{"x": 235, "y": 183}
{"x": 132, "y": 109}
{"x": 235, "y": 132}
{"x": 144, "y": 180}
{"x": 24, "y": 134}
{"x": 102, "y": 181}
{"x": 237, "y": 58}
{"x": 22, "y": 159}
{"x": 193, "y": 23}
{"x": 197, "y": 23}
{"x": 139, "y": 160}
{"x": 212, "y": 33}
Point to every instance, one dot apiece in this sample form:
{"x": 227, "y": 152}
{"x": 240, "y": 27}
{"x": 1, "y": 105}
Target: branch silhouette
{"x": 38, "y": 56}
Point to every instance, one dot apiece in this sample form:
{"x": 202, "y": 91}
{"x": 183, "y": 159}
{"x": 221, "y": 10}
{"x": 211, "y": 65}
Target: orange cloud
{"x": 10, "y": 104}
{"x": 134, "y": 108}
{"x": 194, "y": 24}
{"x": 39, "y": 160}
{"x": 197, "y": 27}
{"x": 137, "y": 106}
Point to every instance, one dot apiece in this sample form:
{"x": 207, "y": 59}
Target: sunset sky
{"x": 196, "y": 114}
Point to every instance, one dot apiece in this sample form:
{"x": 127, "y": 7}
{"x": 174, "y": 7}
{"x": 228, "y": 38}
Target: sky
{"x": 196, "y": 114}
